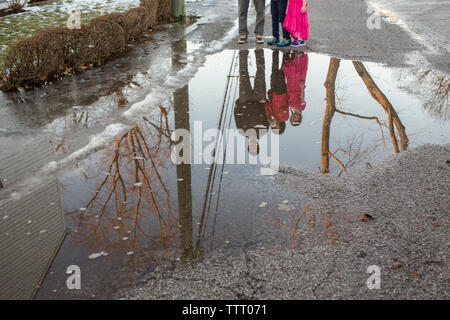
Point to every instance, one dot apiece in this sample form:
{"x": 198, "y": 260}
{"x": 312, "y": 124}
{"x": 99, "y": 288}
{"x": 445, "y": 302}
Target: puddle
{"x": 130, "y": 209}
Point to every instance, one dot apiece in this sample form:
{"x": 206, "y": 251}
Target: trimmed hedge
{"x": 49, "y": 53}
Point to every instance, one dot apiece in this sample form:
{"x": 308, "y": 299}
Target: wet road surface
{"x": 130, "y": 209}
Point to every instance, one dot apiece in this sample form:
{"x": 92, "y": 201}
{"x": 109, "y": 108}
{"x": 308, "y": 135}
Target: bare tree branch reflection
{"x": 379, "y": 96}
{"x": 294, "y": 226}
{"x": 437, "y": 88}
{"x": 379, "y": 122}
{"x": 353, "y": 151}
{"x": 128, "y": 214}
{"x": 314, "y": 224}
{"x": 330, "y": 85}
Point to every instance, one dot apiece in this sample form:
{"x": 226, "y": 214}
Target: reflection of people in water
{"x": 295, "y": 71}
{"x": 277, "y": 107}
{"x": 249, "y": 110}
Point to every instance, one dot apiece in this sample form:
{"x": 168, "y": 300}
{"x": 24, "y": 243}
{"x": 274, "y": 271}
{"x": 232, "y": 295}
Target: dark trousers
{"x": 277, "y": 78}
{"x": 278, "y": 10}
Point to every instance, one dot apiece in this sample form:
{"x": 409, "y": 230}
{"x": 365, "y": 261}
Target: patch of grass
{"x": 22, "y": 25}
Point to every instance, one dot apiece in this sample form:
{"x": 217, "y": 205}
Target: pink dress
{"x": 295, "y": 71}
{"x": 296, "y": 22}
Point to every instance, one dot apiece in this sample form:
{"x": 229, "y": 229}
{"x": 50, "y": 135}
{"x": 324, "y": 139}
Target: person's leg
{"x": 274, "y": 9}
{"x": 245, "y": 88}
{"x": 282, "y": 7}
{"x": 243, "y": 12}
{"x": 260, "y": 16}
{"x": 259, "y": 91}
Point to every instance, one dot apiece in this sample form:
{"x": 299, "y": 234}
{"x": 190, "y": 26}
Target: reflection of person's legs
{"x": 285, "y": 58}
{"x": 275, "y": 69}
{"x": 259, "y": 92}
{"x": 277, "y": 79}
{"x": 260, "y": 6}
{"x": 243, "y": 12}
{"x": 245, "y": 88}
{"x": 253, "y": 145}
{"x": 282, "y": 87}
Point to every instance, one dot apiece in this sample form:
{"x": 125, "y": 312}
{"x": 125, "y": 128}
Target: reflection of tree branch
{"x": 147, "y": 149}
{"x": 354, "y": 153}
{"x": 329, "y": 112}
{"x": 360, "y": 116}
{"x": 367, "y": 118}
{"x": 392, "y": 132}
{"x": 438, "y": 86}
{"x": 320, "y": 225}
{"x": 379, "y": 96}
{"x": 338, "y": 161}
{"x": 161, "y": 132}
{"x": 85, "y": 115}
{"x": 108, "y": 173}
{"x": 138, "y": 168}
{"x": 98, "y": 227}
{"x": 295, "y": 225}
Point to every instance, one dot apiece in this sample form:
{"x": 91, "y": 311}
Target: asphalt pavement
{"x": 409, "y": 34}
{"x": 394, "y": 216}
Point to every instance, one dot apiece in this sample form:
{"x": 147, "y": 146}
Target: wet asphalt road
{"x": 375, "y": 219}
{"x": 410, "y": 235}
{"x": 413, "y": 33}
{"x": 406, "y": 230}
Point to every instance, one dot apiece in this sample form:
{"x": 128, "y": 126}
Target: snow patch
{"x": 98, "y": 141}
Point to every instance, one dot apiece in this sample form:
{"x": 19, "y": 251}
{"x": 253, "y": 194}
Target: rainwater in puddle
{"x": 129, "y": 208}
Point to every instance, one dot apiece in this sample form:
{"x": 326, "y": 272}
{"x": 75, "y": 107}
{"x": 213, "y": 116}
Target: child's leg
{"x": 282, "y": 6}
{"x": 274, "y": 9}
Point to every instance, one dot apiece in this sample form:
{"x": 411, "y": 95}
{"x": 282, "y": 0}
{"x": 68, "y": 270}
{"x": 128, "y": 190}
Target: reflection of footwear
{"x": 259, "y": 39}
{"x": 242, "y": 39}
{"x": 274, "y": 41}
{"x": 284, "y": 43}
{"x": 243, "y": 52}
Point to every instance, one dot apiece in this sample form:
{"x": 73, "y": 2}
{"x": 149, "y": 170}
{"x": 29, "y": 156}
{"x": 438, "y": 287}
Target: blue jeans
{"x": 278, "y": 10}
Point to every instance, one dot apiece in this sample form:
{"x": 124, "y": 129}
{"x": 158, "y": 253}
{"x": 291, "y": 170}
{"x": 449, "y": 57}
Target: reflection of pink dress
{"x": 296, "y": 22}
{"x": 295, "y": 71}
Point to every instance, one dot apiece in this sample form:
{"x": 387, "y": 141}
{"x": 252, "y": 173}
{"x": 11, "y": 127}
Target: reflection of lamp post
{"x": 182, "y": 121}
{"x": 178, "y": 9}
